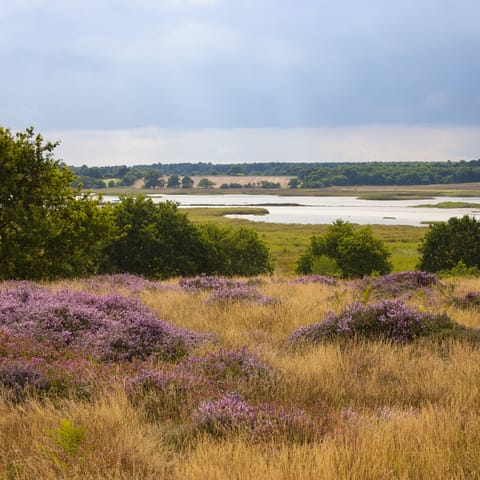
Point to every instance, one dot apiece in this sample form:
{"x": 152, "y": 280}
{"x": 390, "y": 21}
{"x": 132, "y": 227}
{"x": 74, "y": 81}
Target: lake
{"x": 325, "y": 210}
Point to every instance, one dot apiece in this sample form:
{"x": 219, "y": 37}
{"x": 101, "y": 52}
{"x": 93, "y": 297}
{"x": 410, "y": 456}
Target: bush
{"x": 353, "y": 253}
{"x": 388, "y": 320}
{"x": 448, "y": 243}
{"x": 395, "y": 284}
{"x": 110, "y": 327}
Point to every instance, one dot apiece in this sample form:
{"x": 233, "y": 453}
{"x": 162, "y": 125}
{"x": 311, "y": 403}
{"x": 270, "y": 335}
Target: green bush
{"x": 447, "y": 244}
{"x": 353, "y": 253}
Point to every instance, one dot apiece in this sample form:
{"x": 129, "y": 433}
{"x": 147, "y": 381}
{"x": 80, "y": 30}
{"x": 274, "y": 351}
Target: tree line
{"x": 304, "y": 175}
{"x": 49, "y": 229}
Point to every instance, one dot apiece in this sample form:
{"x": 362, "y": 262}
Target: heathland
{"x": 122, "y": 378}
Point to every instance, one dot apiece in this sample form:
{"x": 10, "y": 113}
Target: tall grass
{"x": 375, "y": 409}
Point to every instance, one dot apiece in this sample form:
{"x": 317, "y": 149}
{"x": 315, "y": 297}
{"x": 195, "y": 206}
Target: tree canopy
{"x": 47, "y": 228}
{"x": 345, "y": 251}
{"x": 447, "y": 243}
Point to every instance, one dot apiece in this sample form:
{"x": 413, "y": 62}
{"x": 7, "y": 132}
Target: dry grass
{"x": 389, "y": 411}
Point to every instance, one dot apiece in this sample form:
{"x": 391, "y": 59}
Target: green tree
{"x": 205, "y": 183}
{"x": 155, "y": 240}
{"x": 47, "y": 229}
{"x": 448, "y": 243}
{"x": 235, "y": 251}
{"x": 153, "y": 179}
{"x": 353, "y": 252}
{"x": 173, "y": 181}
{"x": 187, "y": 182}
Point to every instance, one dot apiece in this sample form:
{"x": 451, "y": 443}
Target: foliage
{"x": 173, "y": 181}
{"x": 235, "y": 251}
{"x": 110, "y": 327}
{"x": 311, "y": 175}
{"x": 354, "y": 252}
{"x": 155, "y": 240}
{"x": 231, "y": 414}
{"x": 447, "y": 243}
{"x": 205, "y": 183}
{"x": 395, "y": 284}
{"x": 187, "y": 182}
{"x": 47, "y": 230}
{"x": 388, "y": 320}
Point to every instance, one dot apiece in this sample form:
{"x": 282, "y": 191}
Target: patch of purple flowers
{"x": 232, "y": 414}
{"x": 388, "y": 319}
{"x": 471, "y": 299}
{"x": 237, "y": 364}
{"x": 395, "y": 284}
{"x": 110, "y": 327}
{"x": 241, "y": 293}
{"x": 125, "y": 281}
{"x": 315, "y": 278}
{"x": 207, "y": 282}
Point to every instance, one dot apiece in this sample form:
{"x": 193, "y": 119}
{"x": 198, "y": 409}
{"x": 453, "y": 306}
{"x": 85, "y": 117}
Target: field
{"x": 287, "y": 241}
{"x": 239, "y": 400}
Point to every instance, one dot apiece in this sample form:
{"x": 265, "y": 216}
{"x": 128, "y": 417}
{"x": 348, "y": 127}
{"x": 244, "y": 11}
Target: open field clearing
{"x": 122, "y": 378}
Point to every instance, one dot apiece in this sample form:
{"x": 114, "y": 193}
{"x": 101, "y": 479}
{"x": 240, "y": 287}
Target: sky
{"x": 225, "y": 81}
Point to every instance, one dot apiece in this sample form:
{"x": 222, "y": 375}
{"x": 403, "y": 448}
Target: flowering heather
{"x": 231, "y": 414}
{"x": 232, "y": 365}
{"x": 389, "y": 319}
{"x": 22, "y": 376}
{"x": 110, "y": 327}
{"x": 206, "y": 283}
{"x": 165, "y": 392}
{"x": 395, "y": 284}
{"x": 471, "y": 299}
{"x": 313, "y": 279}
{"x": 238, "y": 294}
{"x": 124, "y": 281}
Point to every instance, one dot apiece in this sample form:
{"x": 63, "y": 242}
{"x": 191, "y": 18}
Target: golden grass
{"x": 390, "y": 411}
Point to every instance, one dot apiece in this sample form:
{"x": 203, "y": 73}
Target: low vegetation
{"x": 117, "y": 376}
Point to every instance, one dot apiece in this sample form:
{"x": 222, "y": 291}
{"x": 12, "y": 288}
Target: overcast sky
{"x": 143, "y": 81}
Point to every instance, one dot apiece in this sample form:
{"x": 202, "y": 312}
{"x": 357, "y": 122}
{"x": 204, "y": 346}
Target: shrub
{"x": 394, "y": 284}
{"x": 205, "y": 282}
{"x": 448, "y": 243}
{"x": 314, "y": 279}
{"x": 353, "y": 252}
{"x": 110, "y": 327}
{"x": 233, "y": 365}
{"x": 231, "y": 414}
{"x": 388, "y": 319}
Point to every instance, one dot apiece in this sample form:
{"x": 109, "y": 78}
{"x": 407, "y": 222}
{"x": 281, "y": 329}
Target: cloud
{"x": 342, "y": 144}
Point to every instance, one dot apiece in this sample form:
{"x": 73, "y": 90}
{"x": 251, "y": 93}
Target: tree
{"x": 187, "y": 182}
{"x": 294, "y": 183}
{"x": 448, "y": 243}
{"x": 155, "y": 240}
{"x": 173, "y": 181}
{"x": 47, "y": 228}
{"x": 153, "y": 179}
{"x": 205, "y": 183}
{"x": 353, "y": 253}
{"x": 235, "y": 251}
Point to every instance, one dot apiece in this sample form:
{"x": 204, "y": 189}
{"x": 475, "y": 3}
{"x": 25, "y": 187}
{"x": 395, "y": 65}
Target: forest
{"x": 303, "y": 175}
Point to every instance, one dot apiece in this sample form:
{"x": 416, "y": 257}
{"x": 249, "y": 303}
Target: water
{"x": 325, "y": 210}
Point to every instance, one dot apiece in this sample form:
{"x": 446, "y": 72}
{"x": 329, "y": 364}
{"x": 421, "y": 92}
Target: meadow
{"x": 118, "y": 377}
{"x": 287, "y": 241}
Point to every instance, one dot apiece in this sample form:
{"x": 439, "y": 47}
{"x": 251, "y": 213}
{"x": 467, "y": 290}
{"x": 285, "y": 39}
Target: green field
{"x": 287, "y": 241}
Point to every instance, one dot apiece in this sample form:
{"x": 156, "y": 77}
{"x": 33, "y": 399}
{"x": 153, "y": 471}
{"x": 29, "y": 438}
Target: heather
{"x": 109, "y": 327}
{"x": 398, "y": 283}
{"x": 388, "y": 320}
{"x": 120, "y": 377}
